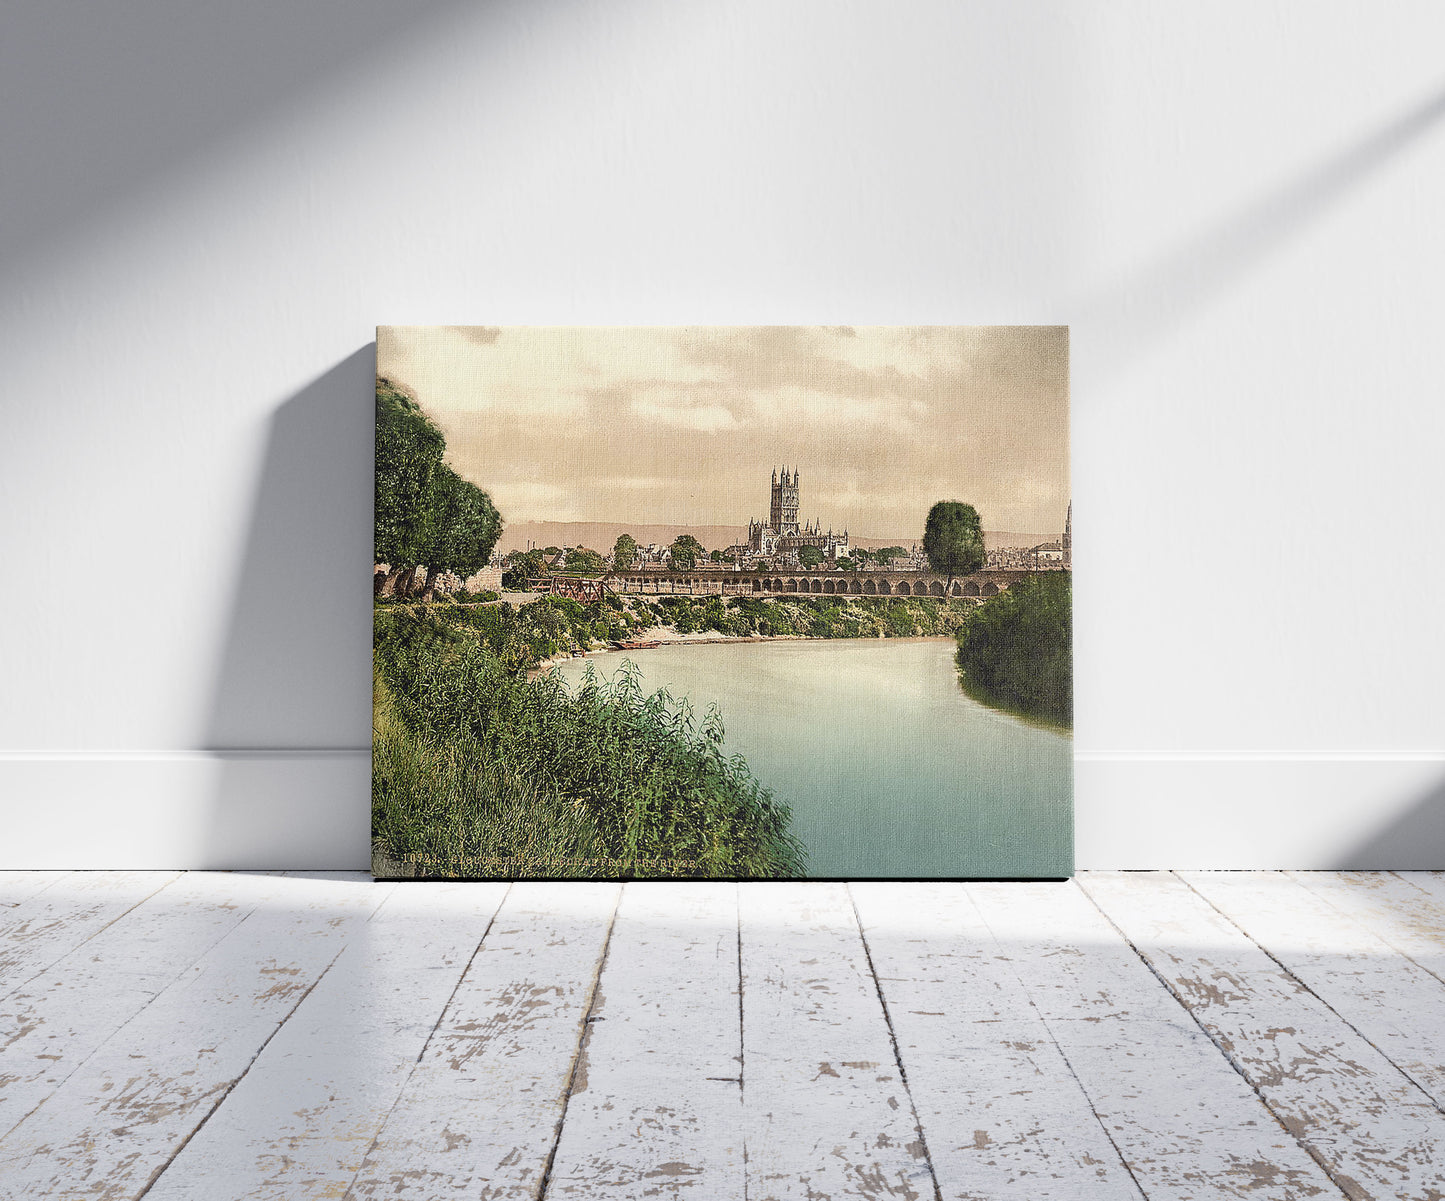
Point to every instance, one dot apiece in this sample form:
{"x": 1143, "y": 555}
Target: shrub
{"x": 1017, "y": 647}
{"x": 605, "y": 781}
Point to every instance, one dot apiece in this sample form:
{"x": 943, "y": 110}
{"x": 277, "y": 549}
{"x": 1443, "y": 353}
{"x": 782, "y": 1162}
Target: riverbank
{"x": 667, "y": 636}
{"x": 486, "y": 765}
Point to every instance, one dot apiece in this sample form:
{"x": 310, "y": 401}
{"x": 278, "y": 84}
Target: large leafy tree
{"x": 523, "y": 567}
{"x": 408, "y": 454}
{"x": 953, "y": 539}
{"x": 624, "y": 553}
{"x": 463, "y": 526}
{"x": 685, "y": 552}
{"x": 425, "y": 514}
{"x": 584, "y": 561}
{"x": 809, "y": 557}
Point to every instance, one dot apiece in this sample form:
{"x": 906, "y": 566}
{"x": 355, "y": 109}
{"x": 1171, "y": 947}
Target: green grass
{"x": 484, "y": 769}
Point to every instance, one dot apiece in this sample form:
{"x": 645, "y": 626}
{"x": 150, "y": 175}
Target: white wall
{"x": 207, "y": 206}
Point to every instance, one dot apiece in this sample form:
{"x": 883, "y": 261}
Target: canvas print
{"x": 722, "y": 603}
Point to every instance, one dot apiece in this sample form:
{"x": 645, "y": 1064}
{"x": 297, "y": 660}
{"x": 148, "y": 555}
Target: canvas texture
{"x": 722, "y": 603}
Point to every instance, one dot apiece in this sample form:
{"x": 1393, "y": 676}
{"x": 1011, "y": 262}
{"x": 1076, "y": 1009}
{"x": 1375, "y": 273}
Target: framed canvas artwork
{"x": 722, "y": 603}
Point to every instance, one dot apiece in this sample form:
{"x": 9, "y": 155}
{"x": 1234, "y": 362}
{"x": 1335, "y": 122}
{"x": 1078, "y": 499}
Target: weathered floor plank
{"x": 1002, "y": 1114}
{"x": 1390, "y": 1000}
{"x": 826, "y": 1110}
{"x": 123, "y": 1114}
{"x": 656, "y": 1106}
{"x": 1430, "y": 883}
{"x": 1375, "y": 1131}
{"x": 1006, "y": 1040}
{"x": 16, "y": 887}
{"x": 1402, "y": 908}
{"x": 300, "y": 1122}
{"x": 479, "y": 1115}
{"x": 49, "y": 924}
{"x": 1186, "y": 1124}
{"x": 50, "y": 1025}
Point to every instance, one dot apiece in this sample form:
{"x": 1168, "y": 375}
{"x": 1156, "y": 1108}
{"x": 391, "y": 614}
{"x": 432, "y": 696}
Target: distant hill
{"x": 602, "y": 535}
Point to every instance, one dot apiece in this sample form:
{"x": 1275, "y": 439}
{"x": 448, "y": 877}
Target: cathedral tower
{"x": 783, "y": 512}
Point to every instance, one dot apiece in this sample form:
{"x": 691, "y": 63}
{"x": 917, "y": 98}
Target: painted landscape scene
{"x": 722, "y": 603}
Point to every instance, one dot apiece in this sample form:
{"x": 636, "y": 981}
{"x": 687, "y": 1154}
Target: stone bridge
{"x": 814, "y": 583}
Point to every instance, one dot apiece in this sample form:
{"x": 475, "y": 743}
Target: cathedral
{"x": 782, "y": 536}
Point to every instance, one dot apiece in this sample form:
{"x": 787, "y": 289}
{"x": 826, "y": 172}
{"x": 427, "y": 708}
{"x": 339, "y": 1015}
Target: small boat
{"x": 636, "y": 644}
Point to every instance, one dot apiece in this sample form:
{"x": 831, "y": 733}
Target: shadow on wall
{"x": 290, "y": 718}
{"x": 116, "y": 97}
{"x": 1414, "y": 841}
{"x": 1147, "y": 305}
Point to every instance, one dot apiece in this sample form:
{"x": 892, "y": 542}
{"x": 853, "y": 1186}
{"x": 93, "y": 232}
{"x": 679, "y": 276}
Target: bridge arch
{"x": 792, "y": 585}
{"x": 936, "y": 588}
{"x": 903, "y": 589}
{"x": 855, "y": 586}
{"x": 817, "y": 586}
{"x": 989, "y": 589}
{"x": 971, "y": 588}
{"x": 829, "y": 586}
{"x": 870, "y": 588}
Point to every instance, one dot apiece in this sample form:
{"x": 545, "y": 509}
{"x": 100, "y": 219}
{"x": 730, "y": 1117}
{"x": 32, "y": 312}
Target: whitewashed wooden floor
{"x": 1159, "y": 1035}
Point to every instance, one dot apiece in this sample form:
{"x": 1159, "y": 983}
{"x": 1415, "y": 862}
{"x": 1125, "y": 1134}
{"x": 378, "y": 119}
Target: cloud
{"x": 569, "y": 423}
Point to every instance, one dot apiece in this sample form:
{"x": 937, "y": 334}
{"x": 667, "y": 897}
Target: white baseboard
{"x": 185, "y": 809}
{"x": 1240, "y": 810}
{"x": 308, "y": 809}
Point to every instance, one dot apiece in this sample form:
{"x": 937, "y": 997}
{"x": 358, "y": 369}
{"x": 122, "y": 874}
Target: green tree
{"x": 809, "y": 557}
{"x": 409, "y": 451}
{"x": 522, "y": 567}
{"x": 551, "y": 551}
{"x": 584, "y": 561}
{"x": 953, "y": 539}
{"x": 462, "y": 527}
{"x": 624, "y": 553}
{"x": 846, "y": 564}
{"x": 887, "y": 554}
{"x": 685, "y": 551}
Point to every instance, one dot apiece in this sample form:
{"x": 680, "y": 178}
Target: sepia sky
{"x": 682, "y": 425}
